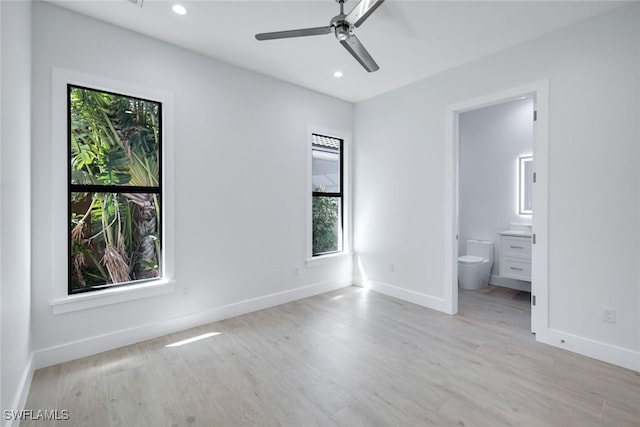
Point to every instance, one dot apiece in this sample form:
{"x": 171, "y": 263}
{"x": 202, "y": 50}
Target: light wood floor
{"x": 348, "y": 358}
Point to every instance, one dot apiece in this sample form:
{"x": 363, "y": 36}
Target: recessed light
{"x": 179, "y": 9}
{"x": 337, "y": 74}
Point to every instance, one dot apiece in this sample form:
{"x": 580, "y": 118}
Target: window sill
{"x": 326, "y": 259}
{"x": 111, "y": 296}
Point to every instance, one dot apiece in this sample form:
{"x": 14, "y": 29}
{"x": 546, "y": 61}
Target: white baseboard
{"x": 22, "y": 393}
{"x": 86, "y": 347}
{"x": 50, "y": 356}
{"x": 615, "y": 355}
{"x": 424, "y": 300}
{"x": 506, "y": 282}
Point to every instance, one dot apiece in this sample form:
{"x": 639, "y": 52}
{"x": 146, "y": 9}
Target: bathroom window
{"x": 327, "y": 194}
{"x": 115, "y": 189}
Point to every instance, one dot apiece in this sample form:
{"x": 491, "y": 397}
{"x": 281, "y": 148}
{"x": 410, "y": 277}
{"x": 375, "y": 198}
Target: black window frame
{"x": 339, "y": 195}
{"x": 111, "y": 189}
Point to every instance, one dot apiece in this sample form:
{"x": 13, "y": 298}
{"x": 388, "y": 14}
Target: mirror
{"x": 525, "y": 185}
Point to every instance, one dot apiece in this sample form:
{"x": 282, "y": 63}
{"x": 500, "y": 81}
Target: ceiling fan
{"x": 342, "y": 26}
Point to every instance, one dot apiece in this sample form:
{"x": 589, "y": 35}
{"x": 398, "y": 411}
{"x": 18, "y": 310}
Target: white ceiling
{"x": 409, "y": 40}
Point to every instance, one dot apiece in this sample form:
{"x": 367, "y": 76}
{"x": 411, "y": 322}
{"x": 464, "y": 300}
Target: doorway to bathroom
{"x": 498, "y": 218}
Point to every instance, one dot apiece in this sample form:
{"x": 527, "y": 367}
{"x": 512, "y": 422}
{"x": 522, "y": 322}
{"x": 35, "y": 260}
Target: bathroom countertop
{"x": 517, "y": 233}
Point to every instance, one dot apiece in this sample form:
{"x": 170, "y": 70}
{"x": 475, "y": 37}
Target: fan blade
{"x": 362, "y": 11}
{"x": 317, "y": 31}
{"x": 355, "y": 48}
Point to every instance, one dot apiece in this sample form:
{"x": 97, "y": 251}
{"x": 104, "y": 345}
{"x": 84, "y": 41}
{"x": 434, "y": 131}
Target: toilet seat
{"x": 470, "y": 259}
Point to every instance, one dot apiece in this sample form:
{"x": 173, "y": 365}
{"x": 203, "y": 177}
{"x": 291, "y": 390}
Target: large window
{"x": 327, "y": 195}
{"x": 115, "y": 186}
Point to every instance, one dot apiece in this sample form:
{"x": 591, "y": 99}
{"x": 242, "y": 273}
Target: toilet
{"x": 474, "y": 268}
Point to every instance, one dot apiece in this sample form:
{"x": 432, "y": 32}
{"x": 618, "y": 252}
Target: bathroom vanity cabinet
{"x": 515, "y": 256}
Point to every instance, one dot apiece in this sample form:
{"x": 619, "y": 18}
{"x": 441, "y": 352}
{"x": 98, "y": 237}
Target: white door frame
{"x": 540, "y": 250}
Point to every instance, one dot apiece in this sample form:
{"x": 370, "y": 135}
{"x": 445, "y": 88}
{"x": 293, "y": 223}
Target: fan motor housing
{"x": 342, "y": 30}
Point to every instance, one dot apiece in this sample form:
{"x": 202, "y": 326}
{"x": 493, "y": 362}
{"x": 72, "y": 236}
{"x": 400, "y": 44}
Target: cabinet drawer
{"x": 516, "y": 269}
{"x": 516, "y": 246}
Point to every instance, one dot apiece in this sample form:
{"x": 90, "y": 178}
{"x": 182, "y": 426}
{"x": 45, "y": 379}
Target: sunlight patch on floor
{"x": 193, "y": 339}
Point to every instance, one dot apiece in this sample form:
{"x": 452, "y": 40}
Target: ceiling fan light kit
{"x": 342, "y": 26}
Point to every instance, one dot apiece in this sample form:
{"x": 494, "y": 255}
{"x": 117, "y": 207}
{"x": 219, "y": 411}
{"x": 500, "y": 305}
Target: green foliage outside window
{"x": 325, "y": 223}
{"x": 114, "y": 144}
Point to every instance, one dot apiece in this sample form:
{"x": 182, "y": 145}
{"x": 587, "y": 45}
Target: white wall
{"x": 15, "y": 212}
{"x": 240, "y": 184}
{"x": 594, "y": 233}
{"x": 491, "y": 140}
{"x": 1, "y": 139}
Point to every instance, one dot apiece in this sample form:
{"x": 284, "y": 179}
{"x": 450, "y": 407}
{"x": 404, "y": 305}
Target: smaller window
{"x": 327, "y": 194}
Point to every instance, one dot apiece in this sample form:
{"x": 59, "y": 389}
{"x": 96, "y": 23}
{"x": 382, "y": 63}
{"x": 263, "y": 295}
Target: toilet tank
{"x": 481, "y": 248}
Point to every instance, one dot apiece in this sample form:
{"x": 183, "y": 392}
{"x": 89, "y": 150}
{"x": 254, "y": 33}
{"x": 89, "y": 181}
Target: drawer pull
{"x": 516, "y": 268}
{"x": 516, "y": 247}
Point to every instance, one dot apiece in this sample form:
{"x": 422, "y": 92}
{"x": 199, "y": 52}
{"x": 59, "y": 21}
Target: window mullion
{"x": 321, "y": 194}
{"x": 81, "y": 188}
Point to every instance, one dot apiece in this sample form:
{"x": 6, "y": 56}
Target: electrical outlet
{"x": 392, "y": 267}
{"x": 185, "y": 290}
{"x": 296, "y": 271}
{"x": 608, "y": 314}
